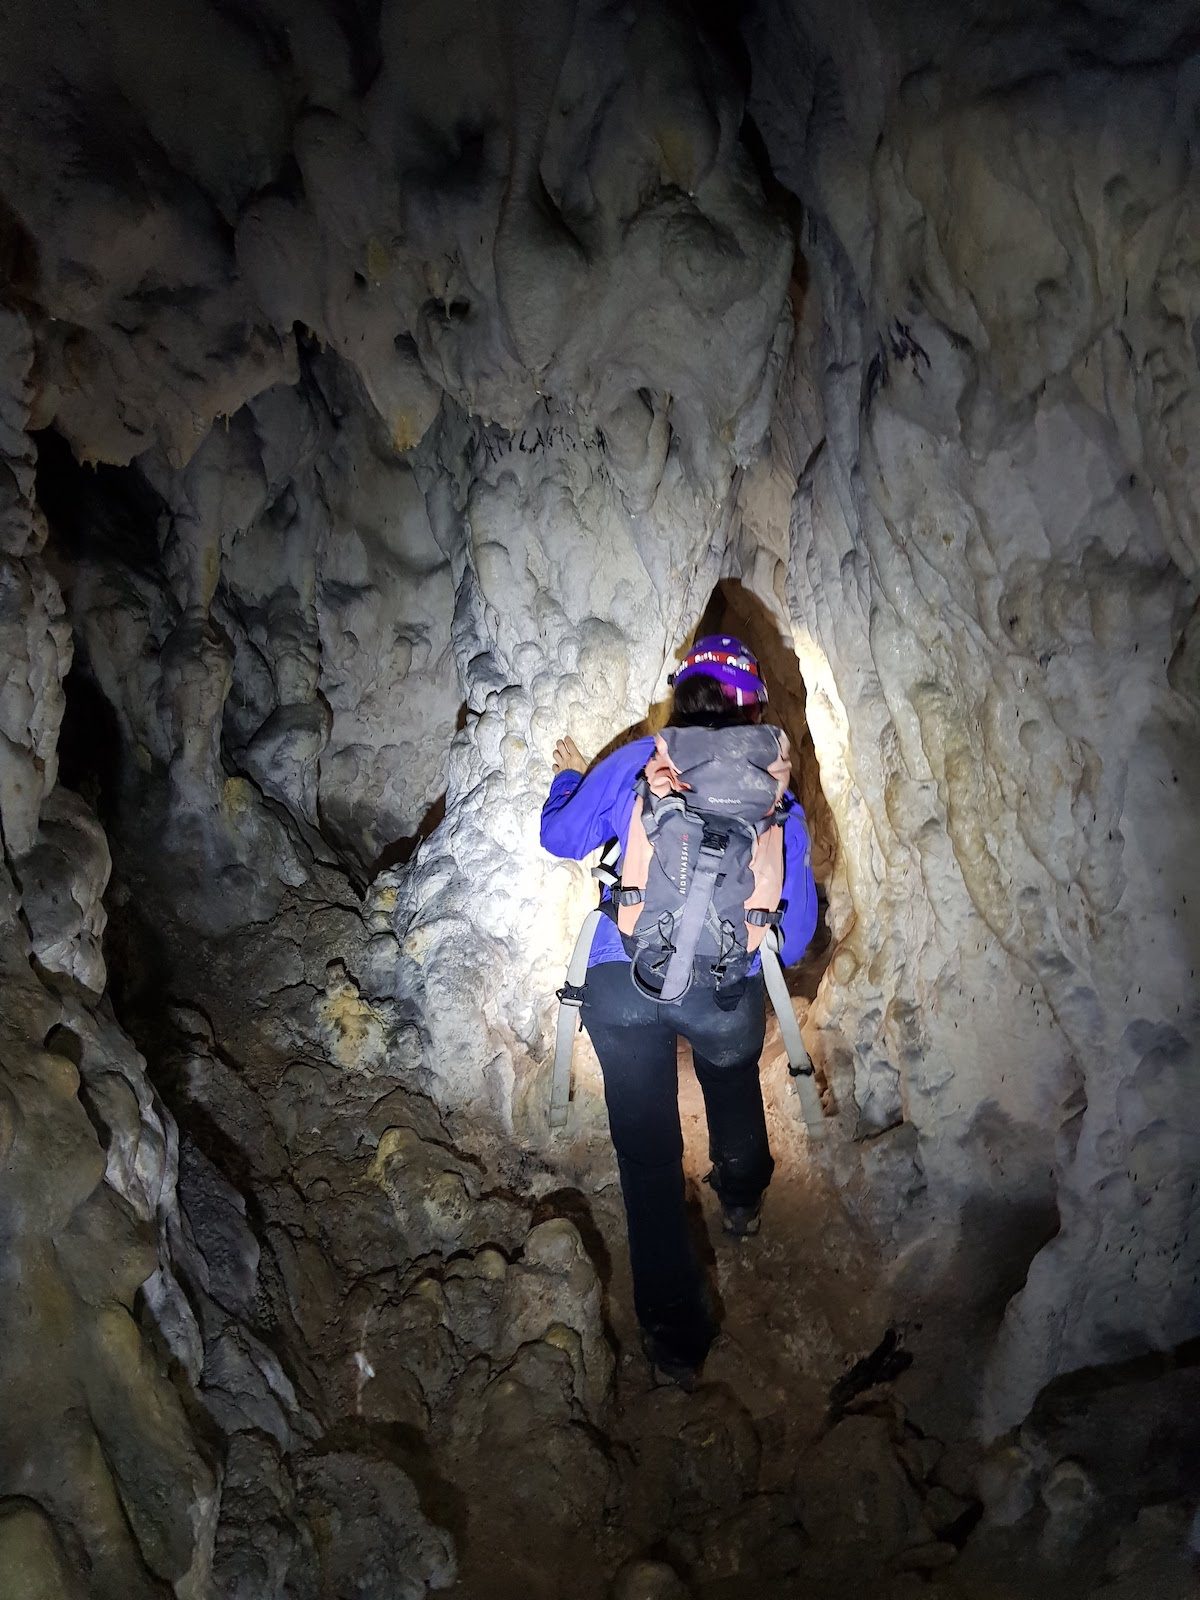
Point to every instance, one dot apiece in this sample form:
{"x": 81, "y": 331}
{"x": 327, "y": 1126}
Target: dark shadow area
{"x": 575, "y": 1206}
{"x": 1134, "y": 1425}
{"x": 1074, "y": 1387}
{"x": 90, "y": 749}
{"x": 359, "y": 22}
{"x": 20, "y": 267}
{"x": 96, "y": 513}
{"x": 959, "y": 1309}
{"x": 400, "y": 852}
{"x": 108, "y": 517}
{"x": 141, "y": 972}
{"x": 61, "y": 1041}
{"x": 407, "y": 1447}
{"x": 705, "y": 1250}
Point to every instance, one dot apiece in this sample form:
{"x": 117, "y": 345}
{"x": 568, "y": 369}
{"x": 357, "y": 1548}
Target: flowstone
{"x": 992, "y": 580}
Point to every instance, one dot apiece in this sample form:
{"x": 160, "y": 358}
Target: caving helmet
{"x": 730, "y": 662}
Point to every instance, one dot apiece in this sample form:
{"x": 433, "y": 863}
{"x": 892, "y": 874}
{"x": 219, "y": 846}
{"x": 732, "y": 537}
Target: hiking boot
{"x": 686, "y": 1374}
{"x": 740, "y": 1222}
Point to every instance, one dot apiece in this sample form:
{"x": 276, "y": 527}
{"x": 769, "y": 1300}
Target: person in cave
{"x": 635, "y": 1038}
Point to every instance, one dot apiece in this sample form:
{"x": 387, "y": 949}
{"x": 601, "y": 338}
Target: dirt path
{"x": 711, "y": 1477}
{"x": 751, "y": 1487}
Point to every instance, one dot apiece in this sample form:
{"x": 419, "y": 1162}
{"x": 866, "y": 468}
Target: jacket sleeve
{"x": 799, "y": 889}
{"x": 582, "y": 813}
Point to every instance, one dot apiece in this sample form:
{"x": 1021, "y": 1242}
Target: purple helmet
{"x": 721, "y": 656}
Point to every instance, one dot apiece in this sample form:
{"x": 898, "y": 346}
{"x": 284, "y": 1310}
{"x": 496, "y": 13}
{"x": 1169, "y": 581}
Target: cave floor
{"x": 711, "y": 1478}
{"x": 739, "y": 1486}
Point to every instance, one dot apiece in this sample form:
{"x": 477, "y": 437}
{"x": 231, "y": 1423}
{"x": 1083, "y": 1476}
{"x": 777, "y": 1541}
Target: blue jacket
{"x": 583, "y": 813}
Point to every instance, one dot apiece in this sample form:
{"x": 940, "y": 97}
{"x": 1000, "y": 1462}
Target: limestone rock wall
{"x": 434, "y": 364}
{"x": 992, "y": 581}
{"x": 105, "y": 1485}
{"x": 379, "y": 446}
{"x": 450, "y": 436}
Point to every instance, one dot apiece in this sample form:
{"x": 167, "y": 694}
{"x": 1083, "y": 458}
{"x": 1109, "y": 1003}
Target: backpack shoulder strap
{"x": 606, "y": 869}
{"x": 659, "y": 781}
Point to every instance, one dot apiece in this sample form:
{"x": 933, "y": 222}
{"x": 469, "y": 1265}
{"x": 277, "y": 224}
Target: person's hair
{"x": 700, "y": 702}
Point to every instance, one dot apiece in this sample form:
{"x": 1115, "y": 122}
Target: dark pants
{"x": 635, "y": 1041}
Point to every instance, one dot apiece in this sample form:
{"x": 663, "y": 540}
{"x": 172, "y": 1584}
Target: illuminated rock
{"x": 407, "y": 382}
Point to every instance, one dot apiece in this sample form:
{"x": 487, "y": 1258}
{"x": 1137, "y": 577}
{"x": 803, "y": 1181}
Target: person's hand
{"x": 567, "y": 757}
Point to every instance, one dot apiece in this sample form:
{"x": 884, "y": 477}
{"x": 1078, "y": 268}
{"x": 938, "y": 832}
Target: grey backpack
{"x": 702, "y": 872}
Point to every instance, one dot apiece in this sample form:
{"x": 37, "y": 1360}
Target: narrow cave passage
{"x": 382, "y": 385}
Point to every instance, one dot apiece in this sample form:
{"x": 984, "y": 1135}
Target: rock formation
{"x": 386, "y": 390}
{"x": 993, "y": 570}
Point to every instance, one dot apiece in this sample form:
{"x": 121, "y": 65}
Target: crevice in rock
{"x": 400, "y": 852}
{"x": 99, "y": 513}
{"x": 91, "y": 752}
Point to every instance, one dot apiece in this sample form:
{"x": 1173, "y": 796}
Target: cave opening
{"x": 103, "y": 523}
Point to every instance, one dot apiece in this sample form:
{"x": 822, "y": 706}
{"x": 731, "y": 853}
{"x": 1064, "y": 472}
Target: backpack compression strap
{"x": 677, "y": 979}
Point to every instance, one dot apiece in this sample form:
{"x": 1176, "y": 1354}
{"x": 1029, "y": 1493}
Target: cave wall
{"x": 992, "y": 578}
{"x": 406, "y": 458}
{"x": 446, "y": 360}
{"x": 103, "y": 1478}
{"x": 493, "y": 467}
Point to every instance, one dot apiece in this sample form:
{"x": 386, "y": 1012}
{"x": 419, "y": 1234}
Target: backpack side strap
{"x": 570, "y": 998}
{"x": 799, "y": 1065}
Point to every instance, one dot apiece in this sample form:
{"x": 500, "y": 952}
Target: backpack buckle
{"x": 713, "y": 841}
{"x": 571, "y": 994}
